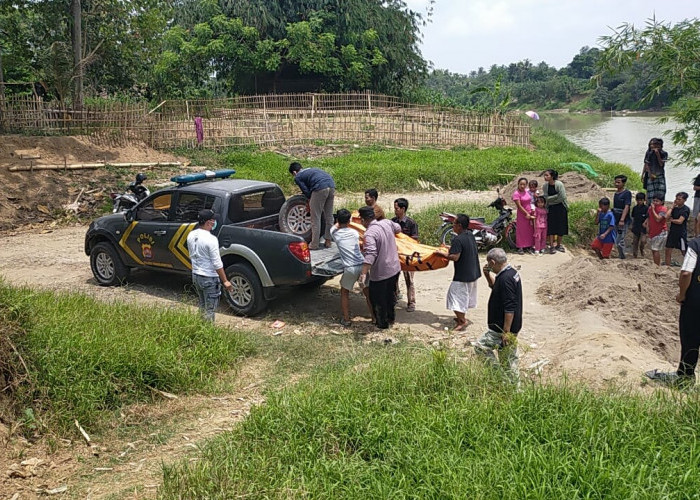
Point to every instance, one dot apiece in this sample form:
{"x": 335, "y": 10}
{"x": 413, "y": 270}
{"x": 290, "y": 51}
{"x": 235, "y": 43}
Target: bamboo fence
{"x": 272, "y": 120}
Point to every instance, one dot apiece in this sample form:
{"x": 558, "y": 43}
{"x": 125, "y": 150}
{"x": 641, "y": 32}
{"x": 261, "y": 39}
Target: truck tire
{"x": 107, "y": 267}
{"x": 247, "y": 298}
{"x": 295, "y": 218}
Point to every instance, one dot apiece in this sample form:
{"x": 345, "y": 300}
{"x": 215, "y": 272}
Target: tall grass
{"x": 420, "y": 426}
{"x": 400, "y": 170}
{"x": 86, "y": 358}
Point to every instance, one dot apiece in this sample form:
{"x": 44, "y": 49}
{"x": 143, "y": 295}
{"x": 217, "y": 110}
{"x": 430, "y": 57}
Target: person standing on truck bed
{"x": 318, "y": 186}
{"x": 207, "y": 268}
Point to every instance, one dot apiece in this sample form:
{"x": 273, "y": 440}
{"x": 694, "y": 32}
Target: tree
{"x": 671, "y": 53}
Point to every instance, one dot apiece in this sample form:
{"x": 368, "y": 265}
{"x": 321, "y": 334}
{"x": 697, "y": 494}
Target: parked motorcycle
{"x": 486, "y": 235}
{"x": 135, "y": 192}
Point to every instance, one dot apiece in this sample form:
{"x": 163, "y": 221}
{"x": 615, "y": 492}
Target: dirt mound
{"x": 17, "y": 150}
{"x": 578, "y": 186}
{"x": 39, "y": 196}
{"x": 634, "y": 296}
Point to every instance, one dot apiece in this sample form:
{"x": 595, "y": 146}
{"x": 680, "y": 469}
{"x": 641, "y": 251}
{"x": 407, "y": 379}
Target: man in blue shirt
{"x": 319, "y": 188}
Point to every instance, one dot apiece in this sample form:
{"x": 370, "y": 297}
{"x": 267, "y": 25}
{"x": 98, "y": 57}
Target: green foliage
{"x": 422, "y": 425}
{"x": 544, "y": 87}
{"x": 87, "y": 359}
{"x": 399, "y": 170}
{"x": 670, "y": 52}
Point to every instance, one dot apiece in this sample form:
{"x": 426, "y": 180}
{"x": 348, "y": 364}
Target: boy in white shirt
{"x": 348, "y": 242}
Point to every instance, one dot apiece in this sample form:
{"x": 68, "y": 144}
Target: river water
{"x": 624, "y": 139}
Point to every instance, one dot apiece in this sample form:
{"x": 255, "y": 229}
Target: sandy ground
{"x": 599, "y": 323}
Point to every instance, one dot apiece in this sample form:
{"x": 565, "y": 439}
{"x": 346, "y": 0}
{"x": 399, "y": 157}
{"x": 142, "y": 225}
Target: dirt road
{"x": 587, "y": 319}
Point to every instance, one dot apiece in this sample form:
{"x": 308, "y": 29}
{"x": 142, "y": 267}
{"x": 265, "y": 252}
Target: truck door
{"x": 146, "y": 239}
{"x": 183, "y": 221}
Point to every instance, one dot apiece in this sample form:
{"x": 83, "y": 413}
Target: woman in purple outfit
{"x": 525, "y": 233}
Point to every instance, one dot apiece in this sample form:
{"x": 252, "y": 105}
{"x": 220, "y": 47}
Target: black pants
{"x": 689, "y": 328}
{"x": 382, "y": 295}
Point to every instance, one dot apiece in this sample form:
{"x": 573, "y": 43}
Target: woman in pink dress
{"x": 525, "y": 231}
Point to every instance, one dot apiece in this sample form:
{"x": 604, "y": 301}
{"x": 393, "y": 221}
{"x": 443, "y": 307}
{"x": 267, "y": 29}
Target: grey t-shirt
{"x": 348, "y": 241}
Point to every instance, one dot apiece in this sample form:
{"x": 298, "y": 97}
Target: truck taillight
{"x": 300, "y": 250}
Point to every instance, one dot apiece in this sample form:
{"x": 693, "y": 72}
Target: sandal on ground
{"x": 560, "y": 248}
{"x": 521, "y": 251}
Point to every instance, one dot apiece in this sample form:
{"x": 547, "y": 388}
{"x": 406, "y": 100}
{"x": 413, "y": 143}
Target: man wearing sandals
{"x": 461, "y": 296}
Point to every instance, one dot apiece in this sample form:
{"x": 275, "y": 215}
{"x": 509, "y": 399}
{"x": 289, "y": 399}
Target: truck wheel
{"x": 106, "y": 265}
{"x": 295, "y": 217}
{"x": 247, "y": 297}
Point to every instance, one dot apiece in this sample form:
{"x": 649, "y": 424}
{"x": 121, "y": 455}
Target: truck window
{"x": 189, "y": 205}
{"x": 155, "y": 209}
{"x": 255, "y": 204}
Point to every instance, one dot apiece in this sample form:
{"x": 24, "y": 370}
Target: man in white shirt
{"x": 207, "y": 268}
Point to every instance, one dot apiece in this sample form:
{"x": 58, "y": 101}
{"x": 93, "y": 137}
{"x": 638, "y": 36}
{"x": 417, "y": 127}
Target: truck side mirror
{"x": 129, "y": 215}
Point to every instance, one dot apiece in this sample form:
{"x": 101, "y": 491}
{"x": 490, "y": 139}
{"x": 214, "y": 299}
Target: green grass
{"x": 86, "y": 359}
{"x": 399, "y": 170}
{"x": 415, "y": 425}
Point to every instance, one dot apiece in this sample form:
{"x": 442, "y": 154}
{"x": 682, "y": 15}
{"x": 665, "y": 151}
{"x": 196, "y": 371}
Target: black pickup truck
{"x": 258, "y": 258}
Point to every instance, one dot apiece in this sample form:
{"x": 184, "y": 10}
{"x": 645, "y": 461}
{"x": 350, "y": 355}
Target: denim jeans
{"x": 621, "y": 234}
{"x": 208, "y": 292}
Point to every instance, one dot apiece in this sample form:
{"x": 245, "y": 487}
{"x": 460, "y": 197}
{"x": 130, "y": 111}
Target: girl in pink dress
{"x": 540, "y": 224}
{"x": 524, "y": 233}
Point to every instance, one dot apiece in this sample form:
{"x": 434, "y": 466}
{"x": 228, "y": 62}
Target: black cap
{"x": 205, "y": 215}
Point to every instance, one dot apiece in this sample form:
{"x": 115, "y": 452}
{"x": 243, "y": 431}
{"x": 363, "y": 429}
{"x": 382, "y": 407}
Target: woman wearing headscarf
{"x": 557, "y": 210}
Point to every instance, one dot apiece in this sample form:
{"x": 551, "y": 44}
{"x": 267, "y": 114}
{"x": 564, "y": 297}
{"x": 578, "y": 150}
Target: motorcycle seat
{"x": 478, "y": 219}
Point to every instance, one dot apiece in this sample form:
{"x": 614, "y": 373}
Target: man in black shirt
{"x": 461, "y": 296}
{"x": 505, "y": 312}
{"x": 689, "y": 299}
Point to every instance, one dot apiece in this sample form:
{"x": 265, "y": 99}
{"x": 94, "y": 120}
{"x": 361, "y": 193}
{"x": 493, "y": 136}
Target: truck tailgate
{"x": 326, "y": 262}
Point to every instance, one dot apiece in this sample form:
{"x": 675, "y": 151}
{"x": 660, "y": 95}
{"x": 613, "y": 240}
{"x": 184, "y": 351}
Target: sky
{"x": 467, "y": 34}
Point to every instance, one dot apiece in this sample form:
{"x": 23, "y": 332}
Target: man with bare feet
{"x": 505, "y": 315}
{"x": 461, "y": 296}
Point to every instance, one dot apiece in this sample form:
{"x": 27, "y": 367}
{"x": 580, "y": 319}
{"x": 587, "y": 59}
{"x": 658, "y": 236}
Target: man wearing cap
{"x": 382, "y": 263}
{"x": 207, "y": 268}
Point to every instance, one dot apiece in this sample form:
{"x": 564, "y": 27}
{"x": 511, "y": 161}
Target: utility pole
{"x": 77, "y": 39}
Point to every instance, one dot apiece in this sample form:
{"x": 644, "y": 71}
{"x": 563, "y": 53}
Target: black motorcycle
{"x": 486, "y": 235}
{"x": 135, "y": 192}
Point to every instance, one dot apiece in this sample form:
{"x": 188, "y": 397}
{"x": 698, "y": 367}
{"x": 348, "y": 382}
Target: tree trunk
{"x": 77, "y": 39}
{"x": 2, "y": 95}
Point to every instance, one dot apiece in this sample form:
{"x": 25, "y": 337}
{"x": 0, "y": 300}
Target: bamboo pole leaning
{"x": 84, "y": 166}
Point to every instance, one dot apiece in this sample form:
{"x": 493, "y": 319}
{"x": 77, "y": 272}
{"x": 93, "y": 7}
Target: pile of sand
{"x": 633, "y": 296}
{"x": 40, "y": 196}
{"x": 74, "y": 149}
{"x": 578, "y": 186}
